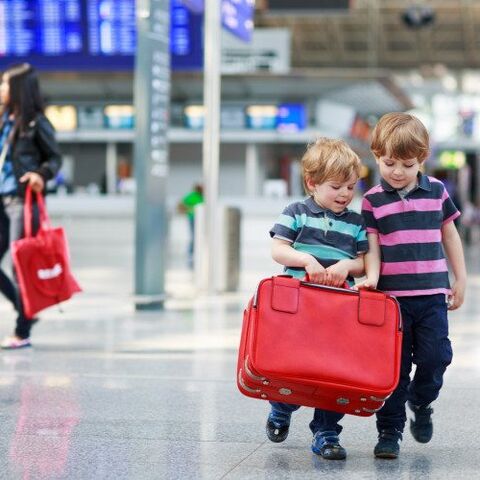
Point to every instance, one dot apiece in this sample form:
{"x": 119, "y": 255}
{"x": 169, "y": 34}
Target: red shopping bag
{"x": 42, "y": 262}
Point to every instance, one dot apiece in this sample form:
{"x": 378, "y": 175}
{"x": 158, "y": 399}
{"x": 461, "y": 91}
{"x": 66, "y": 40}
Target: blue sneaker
{"x": 327, "y": 445}
{"x": 388, "y": 444}
{"x": 421, "y": 427}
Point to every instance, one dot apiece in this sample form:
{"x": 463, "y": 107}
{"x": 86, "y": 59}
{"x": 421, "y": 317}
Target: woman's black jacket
{"x": 36, "y": 150}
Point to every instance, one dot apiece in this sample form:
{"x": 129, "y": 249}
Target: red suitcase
{"x": 318, "y": 346}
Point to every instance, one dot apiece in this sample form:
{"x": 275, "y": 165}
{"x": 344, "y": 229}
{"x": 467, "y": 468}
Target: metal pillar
{"x": 211, "y": 137}
{"x": 152, "y": 100}
{"x": 111, "y": 167}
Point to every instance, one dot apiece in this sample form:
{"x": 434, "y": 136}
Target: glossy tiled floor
{"x": 108, "y": 393}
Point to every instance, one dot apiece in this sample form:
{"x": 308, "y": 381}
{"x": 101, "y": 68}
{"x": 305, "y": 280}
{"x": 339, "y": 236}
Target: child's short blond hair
{"x": 401, "y": 136}
{"x": 328, "y": 159}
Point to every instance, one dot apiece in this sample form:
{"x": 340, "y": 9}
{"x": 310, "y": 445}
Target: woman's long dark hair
{"x": 25, "y": 100}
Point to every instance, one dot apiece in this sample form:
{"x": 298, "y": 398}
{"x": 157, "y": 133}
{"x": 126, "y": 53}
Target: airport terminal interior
{"x": 136, "y": 376}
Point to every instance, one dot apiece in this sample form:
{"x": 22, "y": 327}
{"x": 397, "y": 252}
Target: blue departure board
{"x": 40, "y": 27}
{"x": 111, "y": 27}
{"x": 89, "y": 34}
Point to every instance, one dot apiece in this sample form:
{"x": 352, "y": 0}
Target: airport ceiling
{"x": 372, "y": 34}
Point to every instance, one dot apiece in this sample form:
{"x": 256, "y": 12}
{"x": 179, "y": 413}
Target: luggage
{"x": 318, "y": 346}
{"x": 42, "y": 262}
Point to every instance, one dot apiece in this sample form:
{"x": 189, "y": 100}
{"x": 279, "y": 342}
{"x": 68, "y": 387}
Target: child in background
{"x": 187, "y": 206}
{"x": 320, "y": 237}
{"x": 409, "y": 218}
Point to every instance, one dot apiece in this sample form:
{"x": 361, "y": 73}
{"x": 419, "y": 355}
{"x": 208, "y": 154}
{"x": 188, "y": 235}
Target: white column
{"x": 211, "y": 137}
{"x": 252, "y": 171}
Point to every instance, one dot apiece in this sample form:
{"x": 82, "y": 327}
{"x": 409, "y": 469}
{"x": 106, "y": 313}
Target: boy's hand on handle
{"x": 367, "y": 283}
{"x": 456, "y": 298}
{"x": 336, "y": 274}
{"x": 315, "y": 272}
{"x": 34, "y": 180}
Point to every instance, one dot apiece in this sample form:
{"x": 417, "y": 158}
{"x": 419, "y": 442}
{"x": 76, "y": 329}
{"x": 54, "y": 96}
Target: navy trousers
{"x": 425, "y": 344}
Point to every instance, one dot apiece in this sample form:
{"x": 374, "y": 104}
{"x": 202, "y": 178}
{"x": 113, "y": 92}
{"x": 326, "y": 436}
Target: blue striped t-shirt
{"x": 326, "y": 235}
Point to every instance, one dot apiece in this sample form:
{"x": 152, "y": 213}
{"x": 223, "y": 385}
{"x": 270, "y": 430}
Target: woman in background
{"x": 29, "y": 156}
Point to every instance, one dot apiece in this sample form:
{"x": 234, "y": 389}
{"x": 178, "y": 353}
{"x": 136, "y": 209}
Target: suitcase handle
{"x": 371, "y": 303}
{"x": 308, "y": 282}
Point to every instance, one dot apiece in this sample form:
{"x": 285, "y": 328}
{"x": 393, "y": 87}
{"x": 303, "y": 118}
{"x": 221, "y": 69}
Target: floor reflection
{"x": 47, "y": 415}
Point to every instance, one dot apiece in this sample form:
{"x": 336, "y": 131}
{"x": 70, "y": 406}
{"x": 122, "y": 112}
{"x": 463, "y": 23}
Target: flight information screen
{"x": 45, "y": 27}
{"x": 88, "y": 34}
{"x": 111, "y": 27}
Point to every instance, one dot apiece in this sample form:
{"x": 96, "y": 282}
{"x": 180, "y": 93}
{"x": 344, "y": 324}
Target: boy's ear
{"x": 310, "y": 184}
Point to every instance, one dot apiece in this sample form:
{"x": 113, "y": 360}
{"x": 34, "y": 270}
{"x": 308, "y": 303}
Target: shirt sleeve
{"x": 368, "y": 216}
{"x": 362, "y": 241}
{"x": 449, "y": 210}
{"x": 286, "y": 225}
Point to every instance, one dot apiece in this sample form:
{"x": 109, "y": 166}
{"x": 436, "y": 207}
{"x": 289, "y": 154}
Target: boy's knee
{"x": 439, "y": 357}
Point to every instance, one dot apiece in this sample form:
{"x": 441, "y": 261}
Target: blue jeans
{"x": 426, "y": 344}
{"x": 323, "y": 420}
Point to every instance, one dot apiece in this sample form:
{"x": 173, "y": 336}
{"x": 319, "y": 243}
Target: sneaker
{"x": 422, "y": 426}
{"x": 327, "y": 445}
{"x": 388, "y": 444}
{"x": 12, "y": 343}
{"x": 277, "y": 432}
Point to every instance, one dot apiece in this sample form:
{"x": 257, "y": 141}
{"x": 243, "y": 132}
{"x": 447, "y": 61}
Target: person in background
{"x": 29, "y": 156}
{"x": 187, "y": 206}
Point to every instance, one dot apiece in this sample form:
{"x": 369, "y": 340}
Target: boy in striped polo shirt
{"x": 322, "y": 238}
{"x": 409, "y": 218}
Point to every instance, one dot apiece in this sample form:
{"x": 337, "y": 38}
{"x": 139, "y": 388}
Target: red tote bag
{"x": 42, "y": 262}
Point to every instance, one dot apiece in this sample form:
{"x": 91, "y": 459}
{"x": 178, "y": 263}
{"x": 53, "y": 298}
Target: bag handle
{"x": 28, "y": 212}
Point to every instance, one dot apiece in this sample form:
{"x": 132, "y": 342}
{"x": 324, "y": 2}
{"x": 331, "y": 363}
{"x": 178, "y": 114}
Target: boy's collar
{"x": 423, "y": 183}
{"x": 314, "y": 207}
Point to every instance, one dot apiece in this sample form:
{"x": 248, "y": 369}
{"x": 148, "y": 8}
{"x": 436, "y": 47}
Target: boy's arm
{"x": 285, "y": 254}
{"x": 454, "y": 250}
{"x": 372, "y": 263}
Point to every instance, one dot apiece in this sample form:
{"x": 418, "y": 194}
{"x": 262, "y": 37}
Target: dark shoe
{"x": 388, "y": 444}
{"x": 277, "y": 432}
{"x": 327, "y": 445}
{"x": 421, "y": 427}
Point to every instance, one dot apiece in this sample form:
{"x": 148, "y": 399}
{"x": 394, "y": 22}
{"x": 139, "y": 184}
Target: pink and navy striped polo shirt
{"x": 409, "y": 233}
